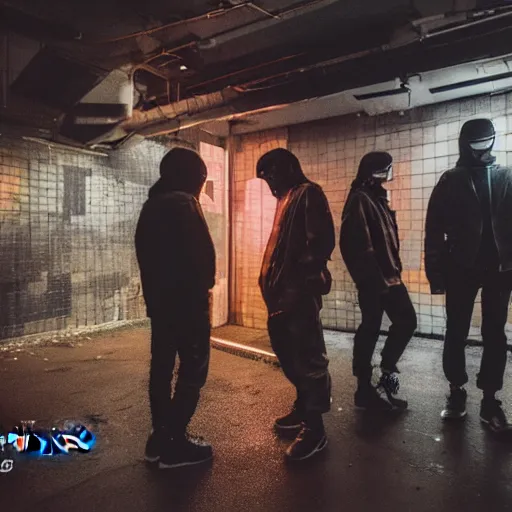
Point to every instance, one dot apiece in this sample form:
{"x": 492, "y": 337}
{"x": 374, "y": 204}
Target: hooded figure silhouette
{"x": 369, "y": 240}
{"x": 370, "y": 247}
{"x": 476, "y": 141}
{"x": 176, "y": 257}
{"x": 181, "y": 170}
{"x": 468, "y": 246}
{"x": 293, "y": 278}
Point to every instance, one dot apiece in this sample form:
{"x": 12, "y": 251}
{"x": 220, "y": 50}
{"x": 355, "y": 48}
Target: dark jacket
{"x": 175, "y": 252}
{"x": 454, "y": 222}
{"x": 369, "y": 241}
{"x": 301, "y": 243}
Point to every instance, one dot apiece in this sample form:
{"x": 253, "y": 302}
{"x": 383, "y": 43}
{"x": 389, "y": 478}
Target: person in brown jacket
{"x": 293, "y": 278}
{"x": 370, "y": 247}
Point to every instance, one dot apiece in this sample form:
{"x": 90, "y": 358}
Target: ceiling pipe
{"x": 224, "y": 113}
{"x": 252, "y": 5}
{"x": 187, "y": 107}
{"x": 50, "y": 144}
{"x": 220, "y": 12}
{"x": 441, "y": 32}
{"x": 292, "y": 12}
{"x": 145, "y": 123}
{"x": 148, "y": 32}
{"x": 229, "y": 102}
{"x": 149, "y": 69}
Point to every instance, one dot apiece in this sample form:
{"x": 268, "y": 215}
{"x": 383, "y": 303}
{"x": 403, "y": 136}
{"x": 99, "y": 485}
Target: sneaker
{"x": 369, "y": 399}
{"x": 185, "y": 451}
{"x": 306, "y": 444}
{"x": 154, "y": 445}
{"x": 455, "y": 408}
{"x": 390, "y": 386}
{"x": 292, "y": 421}
{"x": 492, "y": 415}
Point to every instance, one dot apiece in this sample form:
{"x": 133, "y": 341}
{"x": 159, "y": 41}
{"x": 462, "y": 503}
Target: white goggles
{"x": 482, "y": 145}
{"x": 386, "y": 174}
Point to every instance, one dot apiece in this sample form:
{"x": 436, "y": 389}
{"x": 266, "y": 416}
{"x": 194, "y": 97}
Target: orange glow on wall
{"x": 10, "y": 187}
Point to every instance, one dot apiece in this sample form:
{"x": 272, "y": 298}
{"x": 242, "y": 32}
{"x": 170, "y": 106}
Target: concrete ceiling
{"x": 472, "y": 79}
{"x": 178, "y": 64}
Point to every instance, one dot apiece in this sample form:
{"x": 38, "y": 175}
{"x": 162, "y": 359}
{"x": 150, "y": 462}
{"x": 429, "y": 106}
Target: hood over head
{"x": 181, "y": 170}
{"x": 281, "y": 170}
{"x": 476, "y": 141}
{"x": 374, "y": 169}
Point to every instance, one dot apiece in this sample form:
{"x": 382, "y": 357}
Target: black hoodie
{"x": 174, "y": 248}
{"x": 369, "y": 241}
{"x": 469, "y": 211}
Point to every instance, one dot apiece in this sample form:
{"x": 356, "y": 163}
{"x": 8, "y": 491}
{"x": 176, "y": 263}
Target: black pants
{"x": 188, "y": 336}
{"x": 461, "y": 289}
{"x": 397, "y": 305}
{"x": 298, "y": 341}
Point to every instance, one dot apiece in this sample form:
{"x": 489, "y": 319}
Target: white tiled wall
{"x": 424, "y": 144}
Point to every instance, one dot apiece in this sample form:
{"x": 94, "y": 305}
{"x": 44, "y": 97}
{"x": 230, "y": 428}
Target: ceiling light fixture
{"x": 469, "y": 83}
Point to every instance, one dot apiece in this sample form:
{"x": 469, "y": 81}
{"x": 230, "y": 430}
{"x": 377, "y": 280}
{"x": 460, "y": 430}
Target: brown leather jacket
{"x": 369, "y": 241}
{"x": 301, "y": 243}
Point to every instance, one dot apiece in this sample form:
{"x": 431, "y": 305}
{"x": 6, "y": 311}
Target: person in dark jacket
{"x": 176, "y": 257}
{"x": 293, "y": 278}
{"x": 370, "y": 247}
{"x": 468, "y": 246}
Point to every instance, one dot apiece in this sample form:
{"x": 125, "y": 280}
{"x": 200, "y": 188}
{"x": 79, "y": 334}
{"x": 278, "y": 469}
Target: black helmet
{"x": 375, "y": 166}
{"x": 476, "y": 141}
{"x": 281, "y": 170}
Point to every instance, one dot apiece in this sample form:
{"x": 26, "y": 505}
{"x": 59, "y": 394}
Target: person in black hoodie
{"x": 293, "y": 278}
{"x": 176, "y": 257}
{"x": 370, "y": 247}
{"x": 468, "y": 246}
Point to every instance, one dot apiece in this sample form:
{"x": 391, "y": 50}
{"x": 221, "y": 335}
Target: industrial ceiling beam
{"x": 376, "y": 65}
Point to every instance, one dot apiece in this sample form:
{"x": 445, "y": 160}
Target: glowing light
{"x": 253, "y": 350}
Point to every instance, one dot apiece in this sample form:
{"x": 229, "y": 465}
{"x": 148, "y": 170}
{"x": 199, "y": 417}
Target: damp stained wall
{"x": 424, "y": 144}
{"x": 67, "y": 223}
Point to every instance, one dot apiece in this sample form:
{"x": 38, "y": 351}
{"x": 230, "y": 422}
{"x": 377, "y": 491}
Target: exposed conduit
{"x": 222, "y": 105}
{"x": 214, "y": 14}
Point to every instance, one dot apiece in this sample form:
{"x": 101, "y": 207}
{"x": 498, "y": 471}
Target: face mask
{"x": 383, "y": 175}
{"x": 476, "y": 141}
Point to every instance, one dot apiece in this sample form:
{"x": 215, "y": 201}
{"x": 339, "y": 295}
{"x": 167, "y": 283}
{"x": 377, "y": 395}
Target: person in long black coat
{"x": 468, "y": 246}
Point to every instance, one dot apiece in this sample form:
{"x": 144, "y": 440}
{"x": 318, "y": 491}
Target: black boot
{"x": 292, "y": 421}
{"x": 493, "y": 416}
{"x": 155, "y": 444}
{"x": 185, "y": 450}
{"x": 367, "y": 398}
{"x": 455, "y": 408}
{"x": 310, "y": 440}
